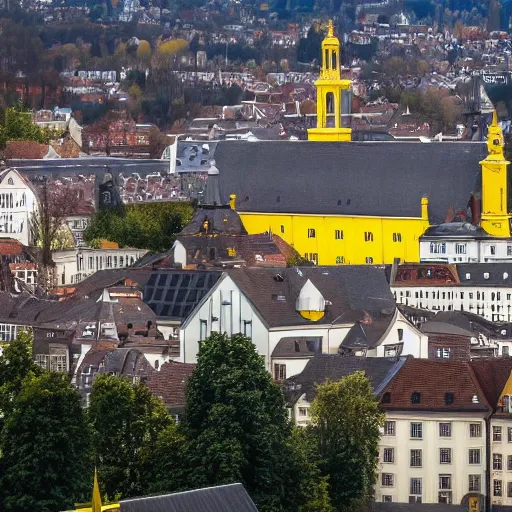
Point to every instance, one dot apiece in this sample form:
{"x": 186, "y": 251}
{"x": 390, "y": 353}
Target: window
{"x": 445, "y": 481}
{"x": 415, "y": 487}
{"x": 417, "y": 430}
{"x": 369, "y": 260}
{"x": 279, "y": 372}
{"x": 509, "y": 250}
{"x": 340, "y": 260}
{"x": 387, "y": 499}
{"x": 388, "y": 455}
{"x": 397, "y": 237}
{"x": 415, "y": 458}
{"x": 497, "y": 488}
{"x": 338, "y": 234}
{"x": 497, "y": 461}
{"x": 368, "y": 236}
{"x": 509, "y": 463}
{"x": 282, "y": 228}
{"x": 303, "y": 412}
{"x": 509, "y": 430}
{"x": 10, "y": 181}
{"x": 387, "y": 480}
{"x": 505, "y": 351}
{"x": 445, "y": 455}
{"x": 496, "y": 434}
{"x": 415, "y": 397}
{"x": 492, "y": 250}
{"x": 203, "y": 328}
{"x": 313, "y": 257}
{"x": 389, "y": 428}
{"x": 442, "y": 353}
{"x": 475, "y": 430}
{"x": 474, "y": 483}
{"x": 437, "y": 247}
{"x": 445, "y": 429}
{"x": 248, "y": 328}
{"x": 460, "y": 248}
{"x": 400, "y": 333}
{"x": 474, "y": 456}
{"x": 311, "y": 233}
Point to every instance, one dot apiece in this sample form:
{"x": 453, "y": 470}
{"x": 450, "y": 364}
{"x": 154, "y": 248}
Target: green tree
{"x": 16, "y": 363}
{"x": 345, "y": 427}
{"x": 45, "y": 447}
{"x": 237, "y": 425}
{"x": 127, "y": 421}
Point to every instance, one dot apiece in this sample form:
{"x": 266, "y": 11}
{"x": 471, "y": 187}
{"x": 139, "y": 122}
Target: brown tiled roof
{"x": 492, "y": 375}
{"x": 170, "y": 383}
{"x": 432, "y": 380}
{"x": 10, "y": 247}
{"x": 24, "y": 149}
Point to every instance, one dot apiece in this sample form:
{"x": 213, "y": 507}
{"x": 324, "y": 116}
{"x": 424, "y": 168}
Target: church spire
{"x": 333, "y": 95}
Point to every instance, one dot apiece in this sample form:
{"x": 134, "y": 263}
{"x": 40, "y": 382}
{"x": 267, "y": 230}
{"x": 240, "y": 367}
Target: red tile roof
{"x": 170, "y": 383}
{"x": 492, "y": 375}
{"x": 10, "y": 247}
{"x": 24, "y": 149}
{"x": 432, "y": 380}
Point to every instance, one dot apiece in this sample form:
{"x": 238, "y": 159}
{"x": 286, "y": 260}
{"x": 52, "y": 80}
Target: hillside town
{"x": 256, "y": 256}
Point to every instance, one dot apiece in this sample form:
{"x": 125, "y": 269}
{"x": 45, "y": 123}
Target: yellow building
{"x": 340, "y": 202}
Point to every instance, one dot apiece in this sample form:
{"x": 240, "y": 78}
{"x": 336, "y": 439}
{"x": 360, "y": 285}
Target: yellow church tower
{"x": 495, "y": 215}
{"x": 333, "y": 95}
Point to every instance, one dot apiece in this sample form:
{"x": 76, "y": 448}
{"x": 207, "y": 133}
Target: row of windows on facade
{"x": 416, "y": 398}
{"x": 440, "y": 248}
{"x": 436, "y": 294}
{"x": 445, "y": 457}
{"x": 8, "y": 225}
{"x": 313, "y": 257}
{"x": 445, "y": 429}
{"x": 338, "y": 235}
{"x": 110, "y": 262}
{"x": 445, "y": 487}
{"x": 10, "y": 201}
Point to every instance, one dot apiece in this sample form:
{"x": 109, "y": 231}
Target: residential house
{"x": 300, "y": 390}
{"x": 481, "y": 288}
{"x": 294, "y": 313}
{"x": 18, "y": 204}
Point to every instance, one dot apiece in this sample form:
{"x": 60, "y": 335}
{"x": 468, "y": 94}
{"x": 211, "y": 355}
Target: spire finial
{"x": 330, "y": 29}
{"x": 494, "y": 118}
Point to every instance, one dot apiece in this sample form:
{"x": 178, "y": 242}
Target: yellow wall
{"x": 293, "y": 228}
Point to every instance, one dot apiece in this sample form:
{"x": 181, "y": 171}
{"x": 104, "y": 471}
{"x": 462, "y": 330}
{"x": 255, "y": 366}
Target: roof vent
{"x": 448, "y": 398}
{"x": 279, "y": 278}
{"x": 475, "y": 399}
{"x": 468, "y": 276}
{"x": 486, "y": 275}
{"x": 505, "y": 275}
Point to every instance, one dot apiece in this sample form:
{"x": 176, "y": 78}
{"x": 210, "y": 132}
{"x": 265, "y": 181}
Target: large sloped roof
{"x": 223, "y": 498}
{"x": 378, "y": 178}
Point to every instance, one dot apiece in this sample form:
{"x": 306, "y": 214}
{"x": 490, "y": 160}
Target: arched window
{"x": 10, "y": 181}
{"x": 334, "y": 64}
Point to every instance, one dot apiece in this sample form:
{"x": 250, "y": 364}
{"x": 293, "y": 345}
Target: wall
{"x": 504, "y": 448}
{"x": 481, "y": 251}
{"x": 460, "y": 442}
{"x": 15, "y": 220}
{"x": 230, "y": 320}
{"x": 492, "y": 302}
{"x": 352, "y": 248}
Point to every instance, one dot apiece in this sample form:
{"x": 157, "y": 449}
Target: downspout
{"x": 488, "y": 455}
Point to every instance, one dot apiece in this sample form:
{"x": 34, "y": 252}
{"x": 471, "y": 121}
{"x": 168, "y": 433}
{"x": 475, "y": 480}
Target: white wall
{"x": 503, "y": 447}
{"x": 15, "y": 221}
{"x": 480, "y": 251}
{"x": 180, "y": 253}
{"x": 230, "y": 320}
{"x": 460, "y": 442}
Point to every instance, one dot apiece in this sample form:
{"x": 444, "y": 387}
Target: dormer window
{"x": 386, "y": 398}
{"x": 448, "y": 398}
{"x": 416, "y": 397}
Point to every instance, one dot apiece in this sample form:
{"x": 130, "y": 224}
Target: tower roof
{"x": 330, "y": 39}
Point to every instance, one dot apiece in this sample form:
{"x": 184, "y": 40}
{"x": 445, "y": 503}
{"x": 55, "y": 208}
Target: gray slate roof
{"x": 417, "y": 507}
{"x": 380, "y": 370}
{"x": 352, "y": 290}
{"x": 384, "y": 179}
{"x": 224, "y": 498}
{"x": 485, "y": 274}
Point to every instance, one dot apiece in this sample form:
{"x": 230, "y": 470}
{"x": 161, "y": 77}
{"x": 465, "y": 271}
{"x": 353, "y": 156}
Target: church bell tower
{"x": 496, "y": 218}
{"x": 333, "y": 96}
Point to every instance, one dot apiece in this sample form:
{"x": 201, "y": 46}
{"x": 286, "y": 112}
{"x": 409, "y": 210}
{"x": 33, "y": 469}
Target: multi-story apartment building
{"x": 481, "y": 288}
{"x": 433, "y": 444}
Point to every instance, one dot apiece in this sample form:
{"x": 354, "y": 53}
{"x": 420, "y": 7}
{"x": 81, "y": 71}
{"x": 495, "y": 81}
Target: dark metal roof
{"x": 221, "y": 219}
{"x": 334, "y": 367}
{"x": 383, "y": 179}
{"x": 298, "y": 346}
{"x": 456, "y": 229}
{"x": 175, "y": 293}
{"x": 485, "y": 274}
{"x": 224, "y": 498}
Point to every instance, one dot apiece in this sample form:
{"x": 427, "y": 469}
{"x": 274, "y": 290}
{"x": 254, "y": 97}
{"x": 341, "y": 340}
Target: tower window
{"x": 326, "y": 59}
{"x": 397, "y": 237}
{"x": 311, "y": 233}
{"x": 329, "y": 103}
{"x": 368, "y": 236}
{"x": 338, "y": 234}
{"x": 340, "y": 260}
{"x": 334, "y": 60}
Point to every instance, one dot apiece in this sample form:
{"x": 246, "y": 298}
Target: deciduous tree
{"x": 346, "y": 428}
{"x": 45, "y": 447}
